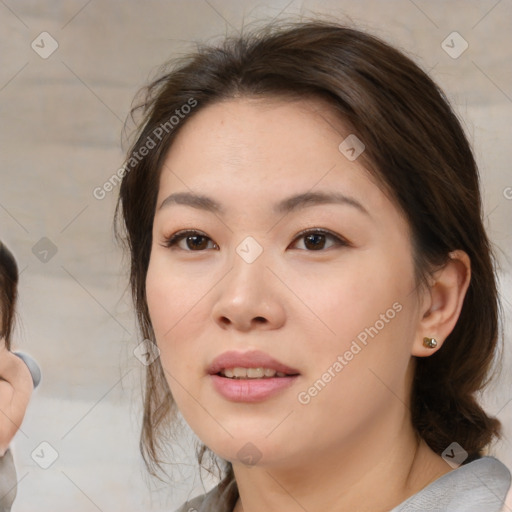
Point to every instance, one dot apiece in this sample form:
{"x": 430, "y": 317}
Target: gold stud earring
{"x": 429, "y": 342}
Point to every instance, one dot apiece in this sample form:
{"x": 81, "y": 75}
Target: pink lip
{"x": 249, "y": 390}
{"x": 253, "y": 359}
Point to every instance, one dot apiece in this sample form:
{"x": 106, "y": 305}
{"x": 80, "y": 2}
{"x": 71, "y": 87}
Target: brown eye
{"x": 196, "y": 242}
{"x": 318, "y": 239}
{"x": 190, "y": 241}
{"x": 314, "y": 241}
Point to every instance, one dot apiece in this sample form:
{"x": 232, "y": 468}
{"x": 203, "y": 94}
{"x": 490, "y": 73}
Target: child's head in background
{"x": 8, "y": 293}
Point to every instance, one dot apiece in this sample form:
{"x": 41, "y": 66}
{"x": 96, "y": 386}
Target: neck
{"x": 374, "y": 472}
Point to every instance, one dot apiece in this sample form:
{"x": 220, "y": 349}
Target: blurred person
{"x": 18, "y": 376}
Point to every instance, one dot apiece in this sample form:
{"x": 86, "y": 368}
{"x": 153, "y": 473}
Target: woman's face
{"x": 292, "y": 260}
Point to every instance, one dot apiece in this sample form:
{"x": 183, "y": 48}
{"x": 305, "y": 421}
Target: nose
{"x": 249, "y": 299}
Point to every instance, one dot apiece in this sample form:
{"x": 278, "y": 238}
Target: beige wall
{"x": 61, "y": 122}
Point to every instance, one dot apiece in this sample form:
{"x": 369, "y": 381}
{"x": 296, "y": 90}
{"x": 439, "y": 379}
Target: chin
{"x": 249, "y": 448}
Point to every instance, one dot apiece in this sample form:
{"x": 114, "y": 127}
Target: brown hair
{"x": 415, "y": 146}
{"x": 8, "y": 293}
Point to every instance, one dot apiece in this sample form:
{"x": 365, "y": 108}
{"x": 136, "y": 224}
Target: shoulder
{"x": 216, "y": 500}
{"x": 480, "y": 485}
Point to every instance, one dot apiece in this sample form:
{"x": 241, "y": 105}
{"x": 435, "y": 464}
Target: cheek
{"x": 166, "y": 308}
{"x": 172, "y": 295}
{"x": 358, "y": 373}
{"x": 172, "y": 302}
{"x": 369, "y": 310}
{"x": 362, "y": 291}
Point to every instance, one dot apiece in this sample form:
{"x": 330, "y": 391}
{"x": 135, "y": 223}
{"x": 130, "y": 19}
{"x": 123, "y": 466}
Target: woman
{"x": 303, "y": 215}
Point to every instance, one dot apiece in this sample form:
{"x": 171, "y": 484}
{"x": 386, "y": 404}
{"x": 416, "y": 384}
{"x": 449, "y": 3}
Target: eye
{"x": 318, "y": 239}
{"x": 190, "y": 240}
{"x": 312, "y": 240}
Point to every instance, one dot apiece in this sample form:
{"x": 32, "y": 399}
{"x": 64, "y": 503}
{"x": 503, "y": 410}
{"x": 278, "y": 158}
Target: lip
{"x": 252, "y": 359}
{"x": 249, "y": 390}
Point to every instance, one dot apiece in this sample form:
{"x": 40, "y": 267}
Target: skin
{"x": 303, "y": 307}
{"x": 15, "y": 390}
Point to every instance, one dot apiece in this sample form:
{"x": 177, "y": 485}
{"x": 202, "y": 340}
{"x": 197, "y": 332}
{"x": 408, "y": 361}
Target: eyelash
{"x": 174, "y": 239}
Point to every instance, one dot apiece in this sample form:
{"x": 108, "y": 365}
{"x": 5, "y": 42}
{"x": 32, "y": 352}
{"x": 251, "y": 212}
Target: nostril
{"x": 225, "y": 322}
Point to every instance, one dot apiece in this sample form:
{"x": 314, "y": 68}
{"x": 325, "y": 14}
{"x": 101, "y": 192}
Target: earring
{"x": 429, "y": 342}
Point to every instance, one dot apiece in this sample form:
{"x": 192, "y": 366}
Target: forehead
{"x": 267, "y": 148}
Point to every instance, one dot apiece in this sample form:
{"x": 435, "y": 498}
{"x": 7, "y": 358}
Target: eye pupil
{"x": 314, "y": 241}
{"x": 196, "y": 242}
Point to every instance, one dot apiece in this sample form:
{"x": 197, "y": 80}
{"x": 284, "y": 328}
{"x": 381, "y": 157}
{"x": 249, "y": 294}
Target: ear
{"x": 442, "y": 302}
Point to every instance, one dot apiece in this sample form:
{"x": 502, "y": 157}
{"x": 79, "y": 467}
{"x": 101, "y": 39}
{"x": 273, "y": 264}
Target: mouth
{"x": 250, "y": 377}
{"x": 249, "y": 365}
{"x": 252, "y": 373}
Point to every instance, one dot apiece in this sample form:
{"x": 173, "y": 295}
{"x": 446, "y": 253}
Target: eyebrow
{"x": 287, "y": 205}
